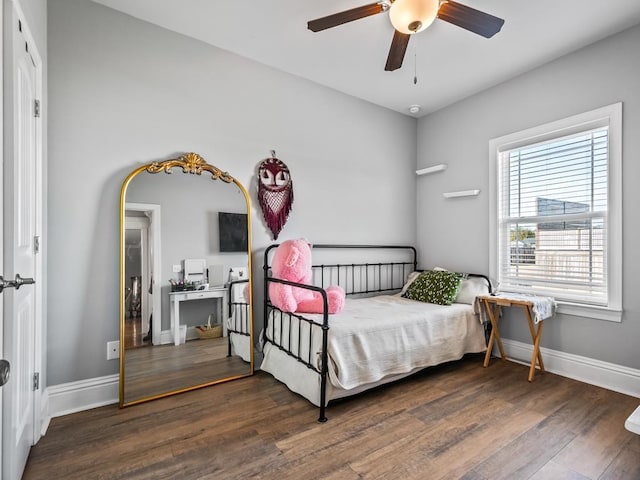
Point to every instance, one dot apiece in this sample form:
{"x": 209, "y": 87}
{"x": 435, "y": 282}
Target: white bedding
{"x": 374, "y": 339}
{"x": 240, "y": 344}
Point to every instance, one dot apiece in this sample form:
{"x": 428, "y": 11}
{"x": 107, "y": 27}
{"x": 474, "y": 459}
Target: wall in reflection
{"x": 189, "y": 225}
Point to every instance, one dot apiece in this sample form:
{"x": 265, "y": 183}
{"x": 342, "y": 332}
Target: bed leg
{"x": 323, "y": 396}
{"x": 324, "y": 370}
{"x": 322, "y": 418}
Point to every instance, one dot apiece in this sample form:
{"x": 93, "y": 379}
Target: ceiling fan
{"x": 413, "y": 16}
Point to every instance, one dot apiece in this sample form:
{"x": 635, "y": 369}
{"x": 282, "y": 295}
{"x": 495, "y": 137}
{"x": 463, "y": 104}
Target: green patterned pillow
{"x": 433, "y": 286}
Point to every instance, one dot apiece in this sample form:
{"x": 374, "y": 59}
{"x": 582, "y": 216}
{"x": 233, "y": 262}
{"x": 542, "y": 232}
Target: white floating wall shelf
{"x": 433, "y": 169}
{"x": 461, "y": 193}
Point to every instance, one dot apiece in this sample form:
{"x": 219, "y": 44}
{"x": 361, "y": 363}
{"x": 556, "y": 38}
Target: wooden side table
{"x": 493, "y": 306}
{"x": 176, "y": 297}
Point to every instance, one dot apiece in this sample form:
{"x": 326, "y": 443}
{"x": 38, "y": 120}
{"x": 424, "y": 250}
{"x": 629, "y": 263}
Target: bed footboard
{"x": 292, "y": 344}
{"x": 238, "y": 313}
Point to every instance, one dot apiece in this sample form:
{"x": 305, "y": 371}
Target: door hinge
{"x": 36, "y": 381}
{"x": 36, "y": 108}
{"x": 36, "y": 244}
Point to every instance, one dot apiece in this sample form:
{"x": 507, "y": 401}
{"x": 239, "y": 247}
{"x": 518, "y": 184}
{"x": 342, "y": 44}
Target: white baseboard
{"x": 45, "y": 418}
{"x": 588, "y": 370}
{"x": 82, "y": 395}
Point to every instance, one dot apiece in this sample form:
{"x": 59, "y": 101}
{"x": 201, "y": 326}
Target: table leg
{"x": 536, "y": 353}
{"x": 175, "y": 322}
{"x": 537, "y": 344}
{"x": 536, "y": 335}
{"x": 495, "y": 334}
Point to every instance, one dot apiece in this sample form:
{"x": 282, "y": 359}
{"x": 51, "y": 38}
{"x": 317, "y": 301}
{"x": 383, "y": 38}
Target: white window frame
{"x": 610, "y": 116}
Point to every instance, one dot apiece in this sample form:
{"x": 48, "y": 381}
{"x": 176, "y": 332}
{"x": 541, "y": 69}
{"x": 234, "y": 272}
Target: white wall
{"x": 35, "y": 11}
{"x": 455, "y": 233}
{"x": 123, "y": 93}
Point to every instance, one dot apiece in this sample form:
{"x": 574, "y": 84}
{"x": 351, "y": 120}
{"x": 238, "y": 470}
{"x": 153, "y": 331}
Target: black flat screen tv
{"x": 232, "y": 228}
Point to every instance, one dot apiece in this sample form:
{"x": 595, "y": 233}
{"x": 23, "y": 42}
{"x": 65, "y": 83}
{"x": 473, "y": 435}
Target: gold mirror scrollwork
{"x": 175, "y": 359}
{"x": 190, "y": 163}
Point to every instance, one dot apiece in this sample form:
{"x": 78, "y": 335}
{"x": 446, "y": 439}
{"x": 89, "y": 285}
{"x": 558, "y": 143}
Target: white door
{"x": 1, "y": 217}
{"x": 19, "y": 253}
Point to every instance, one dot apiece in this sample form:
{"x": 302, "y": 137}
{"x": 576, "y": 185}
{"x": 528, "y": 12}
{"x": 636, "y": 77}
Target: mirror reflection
{"x": 185, "y": 286}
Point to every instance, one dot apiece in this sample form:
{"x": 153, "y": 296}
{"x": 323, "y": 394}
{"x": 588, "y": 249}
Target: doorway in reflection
{"x": 141, "y": 231}
{"x": 137, "y": 275}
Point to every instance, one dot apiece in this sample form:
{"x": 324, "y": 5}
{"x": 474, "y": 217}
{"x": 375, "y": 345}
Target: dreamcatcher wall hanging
{"x": 275, "y": 193}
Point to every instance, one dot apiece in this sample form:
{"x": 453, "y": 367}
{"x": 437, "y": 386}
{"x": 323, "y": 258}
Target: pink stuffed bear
{"x": 292, "y": 261}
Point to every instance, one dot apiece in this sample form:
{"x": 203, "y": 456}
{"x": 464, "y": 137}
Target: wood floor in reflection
{"x": 133, "y": 334}
{"x": 456, "y": 421}
{"x": 153, "y": 370}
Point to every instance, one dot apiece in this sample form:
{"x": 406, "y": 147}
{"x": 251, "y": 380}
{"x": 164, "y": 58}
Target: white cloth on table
{"x": 480, "y": 312}
{"x": 543, "y": 307}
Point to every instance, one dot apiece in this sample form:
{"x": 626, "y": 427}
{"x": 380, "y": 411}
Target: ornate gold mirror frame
{"x": 143, "y": 377}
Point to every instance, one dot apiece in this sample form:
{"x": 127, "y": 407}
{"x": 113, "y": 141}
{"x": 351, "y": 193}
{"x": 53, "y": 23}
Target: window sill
{"x": 589, "y": 311}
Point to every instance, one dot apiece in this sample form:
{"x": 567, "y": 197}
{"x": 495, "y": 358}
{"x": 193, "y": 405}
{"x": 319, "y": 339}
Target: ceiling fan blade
{"x": 397, "y": 51}
{"x": 470, "y": 19}
{"x": 347, "y": 16}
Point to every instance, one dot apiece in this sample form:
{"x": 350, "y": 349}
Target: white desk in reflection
{"x": 175, "y": 298}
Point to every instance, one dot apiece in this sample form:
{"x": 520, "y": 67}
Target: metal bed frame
{"x": 376, "y": 278}
{"x": 238, "y": 315}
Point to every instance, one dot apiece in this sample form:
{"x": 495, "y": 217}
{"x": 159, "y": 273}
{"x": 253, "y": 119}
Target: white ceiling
{"x": 451, "y": 63}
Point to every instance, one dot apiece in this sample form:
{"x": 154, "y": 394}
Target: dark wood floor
{"x": 457, "y": 421}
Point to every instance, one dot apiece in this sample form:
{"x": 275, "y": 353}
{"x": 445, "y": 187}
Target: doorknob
{"x": 17, "y": 283}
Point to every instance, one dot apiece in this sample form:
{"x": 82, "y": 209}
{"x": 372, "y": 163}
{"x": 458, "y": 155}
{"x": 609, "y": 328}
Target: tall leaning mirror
{"x": 185, "y": 284}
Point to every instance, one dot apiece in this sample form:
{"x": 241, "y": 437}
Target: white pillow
{"x": 410, "y": 279}
{"x": 470, "y": 288}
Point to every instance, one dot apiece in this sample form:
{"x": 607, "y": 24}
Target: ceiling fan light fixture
{"x": 413, "y": 16}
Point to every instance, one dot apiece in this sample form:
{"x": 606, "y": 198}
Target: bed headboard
{"x": 359, "y": 269}
{"x": 486, "y": 279}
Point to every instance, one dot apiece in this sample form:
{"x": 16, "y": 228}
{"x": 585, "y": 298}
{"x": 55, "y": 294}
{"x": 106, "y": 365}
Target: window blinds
{"x": 552, "y": 217}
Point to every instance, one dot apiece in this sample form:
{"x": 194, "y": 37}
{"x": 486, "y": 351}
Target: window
{"x": 556, "y": 212}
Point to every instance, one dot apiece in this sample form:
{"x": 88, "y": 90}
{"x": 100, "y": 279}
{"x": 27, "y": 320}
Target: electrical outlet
{"x": 113, "y": 349}
{"x": 177, "y": 268}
